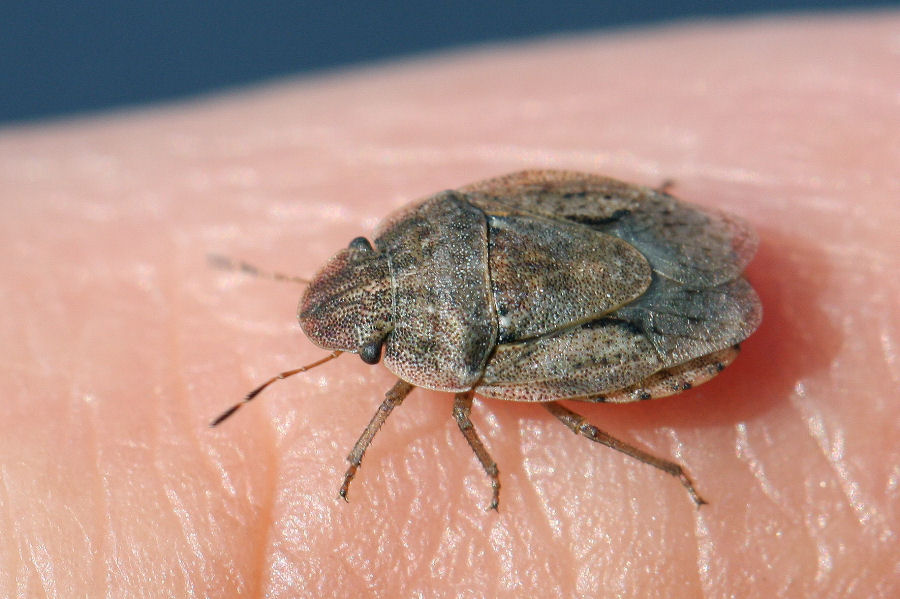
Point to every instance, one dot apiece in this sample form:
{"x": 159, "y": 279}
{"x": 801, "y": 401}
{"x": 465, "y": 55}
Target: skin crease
{"x": 120, "y": 343}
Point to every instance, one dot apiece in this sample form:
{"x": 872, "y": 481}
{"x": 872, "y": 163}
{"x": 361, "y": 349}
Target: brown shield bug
{"x": 538, "y": 286}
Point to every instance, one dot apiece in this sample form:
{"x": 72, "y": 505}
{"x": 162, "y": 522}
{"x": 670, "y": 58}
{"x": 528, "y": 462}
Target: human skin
{"x": 120, "y": 343}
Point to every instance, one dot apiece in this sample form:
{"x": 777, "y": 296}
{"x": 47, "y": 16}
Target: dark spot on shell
{"x": 599, "y": 222}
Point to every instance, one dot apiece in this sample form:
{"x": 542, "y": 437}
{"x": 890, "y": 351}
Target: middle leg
{"x": 461, "y": 408}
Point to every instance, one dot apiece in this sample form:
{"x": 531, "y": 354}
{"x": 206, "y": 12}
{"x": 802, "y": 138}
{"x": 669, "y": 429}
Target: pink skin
{"x": 120, "y": 343}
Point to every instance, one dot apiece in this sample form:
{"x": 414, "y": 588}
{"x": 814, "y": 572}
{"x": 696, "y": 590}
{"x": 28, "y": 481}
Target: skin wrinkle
{"x": 349, "y": 568}
{"x": 532, "y": 501}
{"x": 677, "y": 453}
{"x": 8, "y": 522}
{"x": 865, "y": 509}
{"x": 831, "y": 451}
{"x": 889, "y": 351}
{"x": 183, "y": 516}
{"x": 421, "y": 565}
{"x": 110, "y": 538}
{"x": 256, "y": 581}
{"x": 101, "y": 494}
{"x": 704, "y": 552}
{"x": 821, "y": 548}
{"x": 32, "y": 552}
{"x": 508, "y": 579}
{"x": 815, "y": 431}
{"x": 744, "y": 451}
{"x": 532, "y": 494}
{"x": 179, "y": 509}
{"x": 181, "y": 513}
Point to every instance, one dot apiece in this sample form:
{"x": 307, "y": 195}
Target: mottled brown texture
{"x": 695, "y": 247}
{"x": 685, "y": 323}
{"x": 542, "y": 285}
{"x": 443, "y": 322}
{"x": 605, "y": 355}
{"x": 535, "y": 287}
{"x": 677, "y": 379}
{"x": 548, "y": 275}
{"x": 351, "y": 298}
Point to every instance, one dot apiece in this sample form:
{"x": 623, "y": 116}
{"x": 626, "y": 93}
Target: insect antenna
{"x": 249, "y": 397}
{"x": 226, "y": 263}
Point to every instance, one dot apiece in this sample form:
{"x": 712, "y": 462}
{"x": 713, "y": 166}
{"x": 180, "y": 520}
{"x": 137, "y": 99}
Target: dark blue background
{"x": 59, "y": 57}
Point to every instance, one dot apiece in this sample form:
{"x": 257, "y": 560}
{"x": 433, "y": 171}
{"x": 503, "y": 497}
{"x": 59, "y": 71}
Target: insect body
{"x": 539, "y": 286}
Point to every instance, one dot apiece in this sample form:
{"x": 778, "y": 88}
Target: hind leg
{"x": 577, "y": 424}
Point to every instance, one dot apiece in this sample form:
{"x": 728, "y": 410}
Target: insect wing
{"x": 692, "y": 246}
{"x": 695, "y": 303}
{"x": 550, "y": 275}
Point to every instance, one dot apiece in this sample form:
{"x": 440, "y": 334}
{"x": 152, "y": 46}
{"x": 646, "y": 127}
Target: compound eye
{"x": 370, "y": 352}
{"x": 361, "y": 244}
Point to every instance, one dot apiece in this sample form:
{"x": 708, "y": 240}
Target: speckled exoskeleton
{"x": 538, "y": 286}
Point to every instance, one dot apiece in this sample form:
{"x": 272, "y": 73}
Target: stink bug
{"x": 538, "y": 286}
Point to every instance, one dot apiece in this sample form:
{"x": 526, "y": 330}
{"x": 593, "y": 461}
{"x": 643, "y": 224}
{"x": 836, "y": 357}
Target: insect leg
{"x": 393, "y": 398}
{"x": 461, "y": 408}
{"x": 580, "y": 426}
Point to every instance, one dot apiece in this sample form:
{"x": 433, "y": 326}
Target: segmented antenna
{"x": 226, "y": 263}
{"x": 249, "y": 397}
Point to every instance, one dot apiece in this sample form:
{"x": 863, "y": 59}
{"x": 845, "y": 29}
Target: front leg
{"x": 461, "y": 408}
{"x": 392, "y": 399}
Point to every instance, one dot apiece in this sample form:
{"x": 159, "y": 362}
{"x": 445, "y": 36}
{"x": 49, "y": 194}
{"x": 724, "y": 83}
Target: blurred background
{"x": 60, "y": 58}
